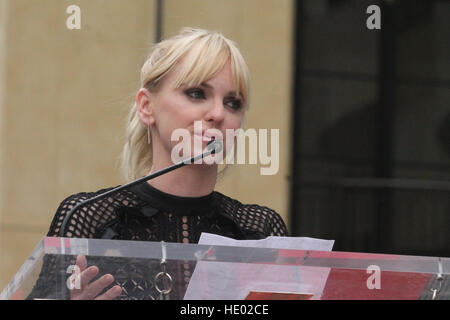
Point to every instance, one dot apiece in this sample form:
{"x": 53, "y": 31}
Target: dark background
{"x": 371, "y": 126}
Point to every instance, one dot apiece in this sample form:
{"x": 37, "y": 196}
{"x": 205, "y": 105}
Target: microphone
{"x": 214, "y": 146}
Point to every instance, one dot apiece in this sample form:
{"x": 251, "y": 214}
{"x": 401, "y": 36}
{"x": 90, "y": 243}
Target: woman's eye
{"x": 235, "y": 104}
{"x": 195, "y": 93}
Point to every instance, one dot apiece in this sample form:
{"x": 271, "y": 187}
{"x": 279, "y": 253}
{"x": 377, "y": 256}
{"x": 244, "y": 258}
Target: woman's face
{"x": 213, "y": 104}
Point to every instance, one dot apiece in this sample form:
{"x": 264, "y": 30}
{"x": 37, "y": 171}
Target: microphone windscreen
{"x": 214, "y": 146}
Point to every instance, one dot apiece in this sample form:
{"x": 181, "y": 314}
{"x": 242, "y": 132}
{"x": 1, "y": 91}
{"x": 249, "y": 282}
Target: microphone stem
{"x": 133, "y": 183}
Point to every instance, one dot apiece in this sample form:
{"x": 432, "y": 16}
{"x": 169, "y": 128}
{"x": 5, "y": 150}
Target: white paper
{"x": 233, "y": 281}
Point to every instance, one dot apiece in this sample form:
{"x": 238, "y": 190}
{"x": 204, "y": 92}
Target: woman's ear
{"x": 144, "y": 102}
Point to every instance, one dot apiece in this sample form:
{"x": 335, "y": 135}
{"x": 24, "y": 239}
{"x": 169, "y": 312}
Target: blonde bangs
{"x": 206, "y": 58}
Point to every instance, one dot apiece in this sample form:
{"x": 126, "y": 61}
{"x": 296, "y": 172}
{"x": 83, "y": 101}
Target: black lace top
{"x": 144, "y": 213}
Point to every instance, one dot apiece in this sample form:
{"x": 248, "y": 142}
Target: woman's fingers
{"x": 94, "y": 288}
{"x": 81, "y": 262}
{"x": 111, "y": 294}
{"x": 87, "y": 275}
{"x": 90, "y": 290}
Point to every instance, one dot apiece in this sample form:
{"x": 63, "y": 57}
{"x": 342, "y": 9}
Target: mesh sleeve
{"x": 86, "y": 221}
{"x": 261, "y": 220}
{"x": 64, "y": 208}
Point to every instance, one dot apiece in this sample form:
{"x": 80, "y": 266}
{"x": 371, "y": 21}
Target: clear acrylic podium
{"x": 158, "y": 270}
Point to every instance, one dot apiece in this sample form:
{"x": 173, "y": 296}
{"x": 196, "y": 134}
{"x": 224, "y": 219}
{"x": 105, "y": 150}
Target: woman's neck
{"x": 192, "y": 180}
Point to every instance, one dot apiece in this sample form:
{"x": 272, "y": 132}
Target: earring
{"x": 148, "y": 134}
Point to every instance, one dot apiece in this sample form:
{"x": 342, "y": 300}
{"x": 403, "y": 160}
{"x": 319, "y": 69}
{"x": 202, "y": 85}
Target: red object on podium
{"x": 348, "y": 284}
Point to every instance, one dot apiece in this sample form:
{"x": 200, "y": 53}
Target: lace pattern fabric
{"x": 143, "y": 213}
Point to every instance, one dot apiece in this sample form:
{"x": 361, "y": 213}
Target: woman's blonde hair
{"x": 204, "y": 53}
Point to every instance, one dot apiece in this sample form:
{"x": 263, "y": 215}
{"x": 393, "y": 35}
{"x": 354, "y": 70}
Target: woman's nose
{"x": 216, "y": 112}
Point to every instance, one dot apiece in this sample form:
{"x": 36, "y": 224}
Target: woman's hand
{"x": 90, "y": 290}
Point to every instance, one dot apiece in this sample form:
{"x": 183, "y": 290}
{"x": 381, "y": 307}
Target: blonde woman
{"x": 196, "y": 77}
